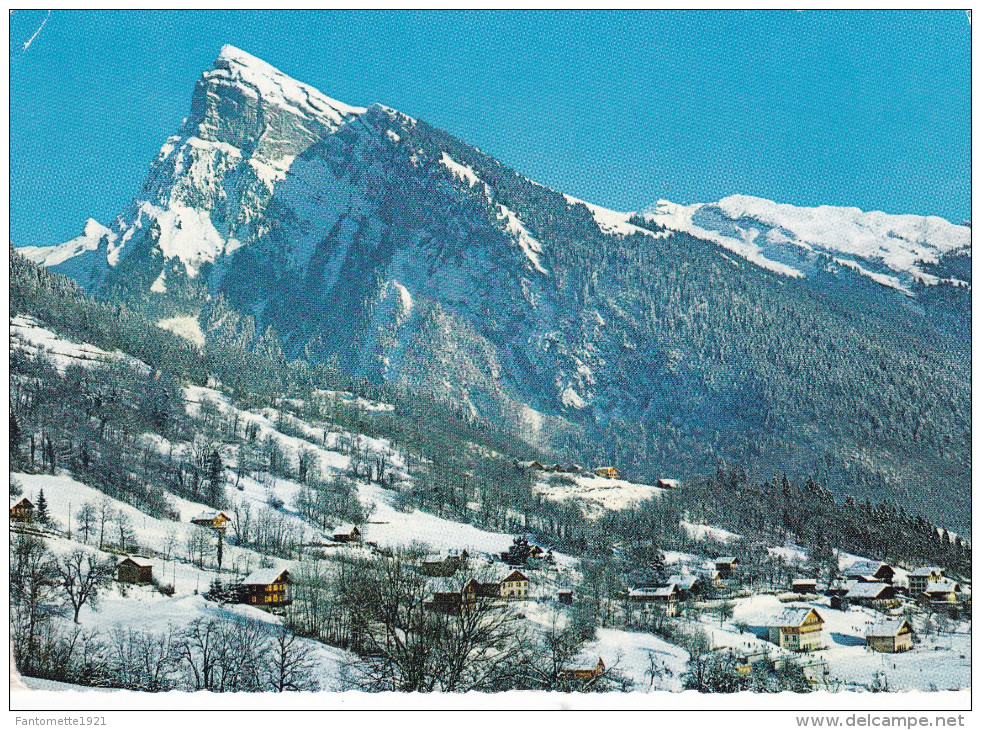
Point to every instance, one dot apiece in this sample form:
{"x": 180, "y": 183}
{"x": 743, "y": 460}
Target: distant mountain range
{"x": 822, "y": 341}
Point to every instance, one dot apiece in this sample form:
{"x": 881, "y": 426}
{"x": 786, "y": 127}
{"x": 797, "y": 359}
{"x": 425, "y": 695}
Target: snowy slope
{"x": 595, "y": 494}
{"x": 892, "y": 250}
{"x": 32, "y": 338}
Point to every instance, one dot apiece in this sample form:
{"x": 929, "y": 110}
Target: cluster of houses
{"x": 449, "y": 599}
{"x": 607, "y": 472}
{"x": 873, "y": 584}
{"x": 802, "y": 630}
{"x": 681, "y": 586}
{"x": 218, "y": 521}
{"x": 265, "y": 588}
{"x": 557, "y": 468}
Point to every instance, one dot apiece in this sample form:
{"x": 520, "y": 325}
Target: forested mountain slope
{"x": 359, "y": 239}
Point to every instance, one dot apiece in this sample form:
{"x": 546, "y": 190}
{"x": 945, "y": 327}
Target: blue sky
{"x": 857, "y": 108}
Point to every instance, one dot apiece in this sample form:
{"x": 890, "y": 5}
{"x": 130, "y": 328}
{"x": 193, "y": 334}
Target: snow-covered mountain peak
{"x": 273, "y": 86}
{"x": 898, "y": 251}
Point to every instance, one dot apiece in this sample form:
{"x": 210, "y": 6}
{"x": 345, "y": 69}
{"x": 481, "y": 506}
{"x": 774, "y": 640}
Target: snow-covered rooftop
{"x": 793, "y": 616}
{"x": 262, "y": 577}
{"x": 888, "y": 627}
{"x": 866, "y": 590}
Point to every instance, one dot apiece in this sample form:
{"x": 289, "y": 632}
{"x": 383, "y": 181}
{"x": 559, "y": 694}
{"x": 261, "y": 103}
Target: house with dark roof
{"x": 727, "y": 566}
{"x": 22, "y": 511}
{"x": 515, "y": 585}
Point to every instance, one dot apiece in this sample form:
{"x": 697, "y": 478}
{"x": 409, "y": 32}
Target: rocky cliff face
{"x": 370, "y": 239}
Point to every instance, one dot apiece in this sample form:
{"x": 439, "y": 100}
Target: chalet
{"x": 454, "y": 600}
{"x": 213, "y": 520}
{"x": 23, "y": 511}
{"x": 583, "y": 673}
{"x": 515, "y": 585}
{"x": 667, "y": 483}
{"x": 445, "y": 565}
{"x": 798, "y": 629}
{"x": 565, "y": 596}
{"x": 607, "y": 472}
{"x": 872, "y": 595}
{"x": 134, "y": 570}
{"x": 687, "y": 585}
{"x": 576, "y": 469}
{"x": 347, "y": 533}
{"x": 890, "y": 637}
{"x": 942, "y": 591}
{"x": 867, "y": 571}
{"x": 710, "y": 576}
{"x": 803, "y": 586}
{"x": 267, "y": 587}
{"x": 666, "y": 596}
{"x": 535, "y": 551}
{"x": 920, "y": 578}
{"x": 727, "y": 566}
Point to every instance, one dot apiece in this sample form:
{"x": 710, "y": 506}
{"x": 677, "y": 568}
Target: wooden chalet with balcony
{"x": 266, "y": 588}
{"x": 941, "y": 591}
{"x": 868, "y": 571}
{"x": 22, "y": 511}
{"x": 213, "y": 520}
{"x": 798, "y": 629}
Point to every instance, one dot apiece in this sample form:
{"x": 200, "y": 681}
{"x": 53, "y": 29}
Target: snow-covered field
{"x": 31, "y": 337}
{"x": 596, "y": 494}
{"x": 936, "y": 662}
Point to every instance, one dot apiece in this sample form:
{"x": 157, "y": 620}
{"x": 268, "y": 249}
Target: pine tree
{"x": 216, "y": 479}
{"x": 15, "y": 438}
{"x": 42, "y": 509}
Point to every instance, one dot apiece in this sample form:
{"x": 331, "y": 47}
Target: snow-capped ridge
{"x": 274, "y": 85}
{"x": 770, "y": 234}
{"x": 92, "y": 234}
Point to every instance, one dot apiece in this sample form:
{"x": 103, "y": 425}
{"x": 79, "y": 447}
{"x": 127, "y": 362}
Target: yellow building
{"x": 798, "y": 629}
{"x": 608, "y": 472}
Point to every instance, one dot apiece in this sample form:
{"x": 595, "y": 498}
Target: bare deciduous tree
{"x": 81, "y": 577}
